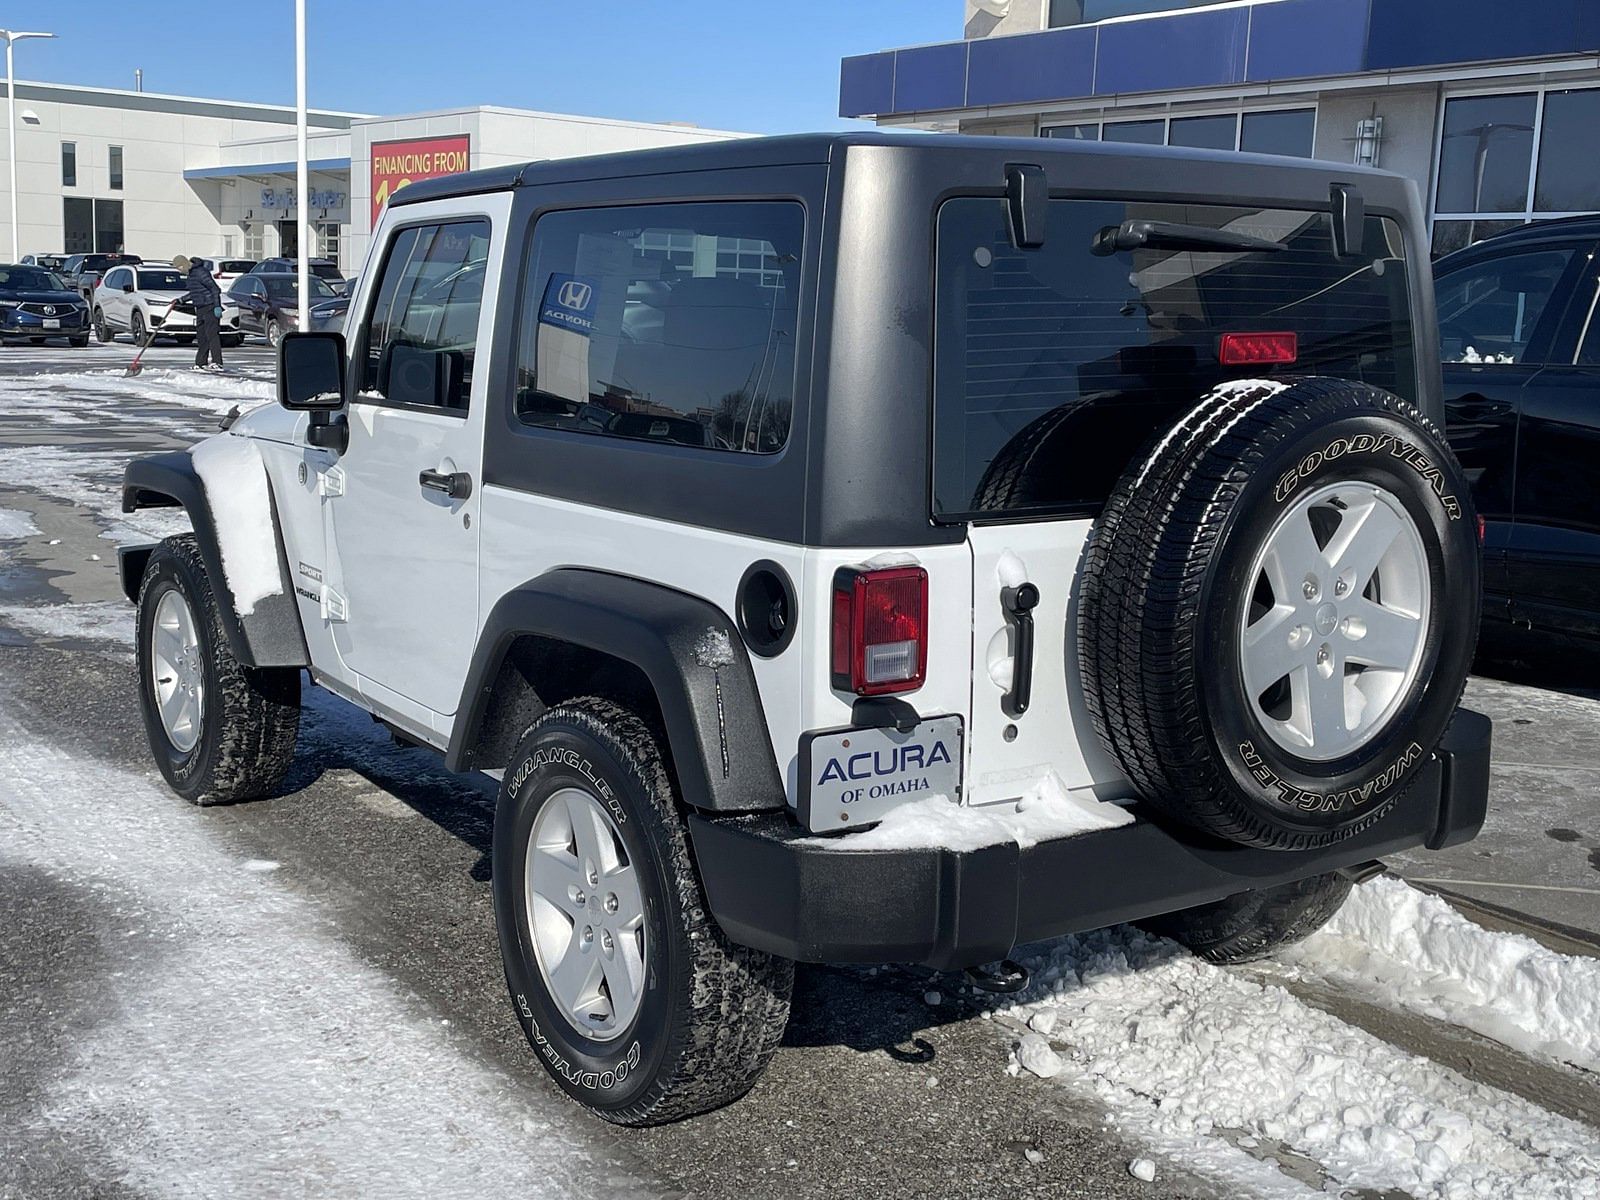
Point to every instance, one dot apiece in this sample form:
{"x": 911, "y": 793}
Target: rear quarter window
{"x": 1054, "y": 367}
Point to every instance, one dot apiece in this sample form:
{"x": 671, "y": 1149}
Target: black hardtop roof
{"x": 816, "y": 148}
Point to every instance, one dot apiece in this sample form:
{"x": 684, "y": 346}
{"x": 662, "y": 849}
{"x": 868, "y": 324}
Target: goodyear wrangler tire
{"x": 631, "y": 997}
{"x": 1279, "y": 611}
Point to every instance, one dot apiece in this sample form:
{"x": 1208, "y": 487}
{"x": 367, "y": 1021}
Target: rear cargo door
{"x": 1058, "y": 367}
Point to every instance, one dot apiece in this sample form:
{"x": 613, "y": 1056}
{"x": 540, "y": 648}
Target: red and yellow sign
{"x": 395, "y": 164}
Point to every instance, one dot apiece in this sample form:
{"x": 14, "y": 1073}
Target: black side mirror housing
{"x": 311, "y": 368}
{"x": 127, "y": 287}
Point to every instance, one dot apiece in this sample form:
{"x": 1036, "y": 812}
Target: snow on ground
{"x": 1045, "y": 812}
{"x": 235, "y": 480}
{"x": 92, "y": 480}
{"x": 14, "y": 525}
{"x": 106, "y": 621}
{"x": 1201, "y": 1064}
{"x": 168, "y": 385}
{"x": 237, "y": 1047}
{"x": 1411, "y": 949}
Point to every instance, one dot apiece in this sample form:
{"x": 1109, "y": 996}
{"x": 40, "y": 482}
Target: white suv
{"x": 148, "y": 301}
{"x": 855, "y": 549}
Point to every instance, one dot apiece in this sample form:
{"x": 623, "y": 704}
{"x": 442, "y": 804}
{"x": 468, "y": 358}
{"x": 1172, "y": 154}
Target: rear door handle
{"x": 456, "y": 484}
{"x": 1019, "y": 603}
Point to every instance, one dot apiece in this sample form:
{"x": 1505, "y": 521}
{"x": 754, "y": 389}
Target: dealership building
{"x": 102, "y": 170}
{"x": 1492, "y": 108}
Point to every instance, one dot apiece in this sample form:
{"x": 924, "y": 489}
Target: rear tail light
{"x": 1483, "y": 530}
{"x": 1258, "y": 349}
{"x": 880, "y": 630}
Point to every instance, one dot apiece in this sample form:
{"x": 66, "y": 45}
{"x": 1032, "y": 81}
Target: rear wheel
{"x": 1252, "y": 925}
{"x": 274, "y": 333}
{"x": 633, "y": 999}
{"x": 219, "y": 731}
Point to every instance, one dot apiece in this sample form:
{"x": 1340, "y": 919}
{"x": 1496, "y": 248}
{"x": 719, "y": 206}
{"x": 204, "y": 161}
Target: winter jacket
{"x": 203, "y": 289}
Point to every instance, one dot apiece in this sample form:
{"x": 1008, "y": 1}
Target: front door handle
{"x": 1019, "y": 603}
{"x": 455, "y": 484}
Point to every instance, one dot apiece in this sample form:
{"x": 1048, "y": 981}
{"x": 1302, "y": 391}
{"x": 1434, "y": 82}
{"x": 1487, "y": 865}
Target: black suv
{"x": 1521, "y": 350}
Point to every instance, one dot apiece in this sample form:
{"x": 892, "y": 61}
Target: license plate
{"x": 52, "y": 323}
{"x": 853, "y": 776}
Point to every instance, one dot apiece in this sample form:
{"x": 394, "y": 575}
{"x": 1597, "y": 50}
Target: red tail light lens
{"x": 1258, "y": 349}
{"x": 880, "y": 630}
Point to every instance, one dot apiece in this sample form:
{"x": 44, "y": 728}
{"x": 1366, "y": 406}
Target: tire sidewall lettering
{"x": 1398, "y": 448}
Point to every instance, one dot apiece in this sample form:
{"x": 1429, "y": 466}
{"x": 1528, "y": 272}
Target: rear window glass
{"x": 234, "y": 266}
{"x": 161, "y": 281}
{"x": 1055, "y": 366}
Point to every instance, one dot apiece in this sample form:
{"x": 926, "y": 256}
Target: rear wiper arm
{"x": 1165, "y": 235}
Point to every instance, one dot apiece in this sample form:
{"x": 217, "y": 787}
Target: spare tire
{"x": 1278, "y": 610}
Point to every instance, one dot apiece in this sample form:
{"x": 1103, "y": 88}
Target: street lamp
{"x": 11, "y": 128}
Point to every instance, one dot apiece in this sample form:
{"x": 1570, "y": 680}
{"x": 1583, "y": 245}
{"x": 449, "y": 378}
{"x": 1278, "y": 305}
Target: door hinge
{"x": 331, "y": 482}
{"x": 334, "y": 607}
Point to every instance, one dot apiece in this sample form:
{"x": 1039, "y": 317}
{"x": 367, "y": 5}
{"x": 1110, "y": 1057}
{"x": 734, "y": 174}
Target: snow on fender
{"x": 235, "y": 480}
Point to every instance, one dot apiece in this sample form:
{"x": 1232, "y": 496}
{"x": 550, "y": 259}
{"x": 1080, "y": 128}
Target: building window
{"x": 328, "y": 240}
{"x": 227, "y": 245}
{"x": 1142, "y": 133}
{"x": 1074, "y": 133}
{"x": 116, "y": 168}
{"x": 1508, "y": 159}
{"x": 1205, "y": 133}
{"x": 253, "y": 242}
{"x": 69, "y": 164}
{"x": 1292, "y": 132}
{"x": 1085, "y": 12}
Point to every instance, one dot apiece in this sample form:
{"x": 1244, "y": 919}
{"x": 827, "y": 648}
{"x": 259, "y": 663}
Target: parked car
{"x": 330, "y": 314}
{"x": 50, "y": 262}
{"x": 269, "y": 304}
{"x": 144, "y": 300}
{"x": 39, "y": 304}
{"x": 324, "y": 269}
{"x": 1089, "y": 534}
{"x": 227, "y": 271}
{"x": 83, "y": 271}
{"x": 1521, "y": 349}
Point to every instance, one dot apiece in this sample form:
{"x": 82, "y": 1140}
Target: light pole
{"x": 302, "y": 200}
{"x": 11, "y": 128}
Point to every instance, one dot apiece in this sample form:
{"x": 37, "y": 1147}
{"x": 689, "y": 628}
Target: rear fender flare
{"x": 687, "y": 649}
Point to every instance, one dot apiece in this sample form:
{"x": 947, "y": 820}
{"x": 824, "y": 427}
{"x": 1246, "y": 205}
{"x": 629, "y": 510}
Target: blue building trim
{"x": 286, "y": 168}
{"x": 1263, "y": 43}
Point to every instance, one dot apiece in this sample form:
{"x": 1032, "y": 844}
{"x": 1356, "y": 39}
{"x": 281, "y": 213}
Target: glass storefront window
{"x": 1291, "y": 133}
{"x": 1569, "y": 171}
{"x": 1143, "y": 133}
{"x": 1487, "y": 153}
{"x": 1205, "y": 133}
{"x": 1076, "y": 133}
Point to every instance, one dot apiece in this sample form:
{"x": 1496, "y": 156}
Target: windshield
{"x": 161, "y": 281}
{"x": 1067, "y": 360}
{"x": 286, "y": 287}
{"x": 31, "y": 279}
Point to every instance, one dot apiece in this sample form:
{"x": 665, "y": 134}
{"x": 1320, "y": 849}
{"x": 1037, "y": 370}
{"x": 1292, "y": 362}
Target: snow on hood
{"x": 235, "y": 480}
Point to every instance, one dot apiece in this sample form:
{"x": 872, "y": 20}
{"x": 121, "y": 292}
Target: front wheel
{"x": 102, "y": 331}
{"x": 79, "y": 343}
{"x": 220, "y": 731}
{"x": 230, "y": 340}
{"x": 136, "y": 327}
{"x": 631, "y": 996}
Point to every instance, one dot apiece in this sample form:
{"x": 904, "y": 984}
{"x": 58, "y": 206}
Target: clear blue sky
{"x": 760, "y": 66}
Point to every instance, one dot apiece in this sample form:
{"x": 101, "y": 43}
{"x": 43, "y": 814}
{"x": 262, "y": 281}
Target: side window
{"x": 670, "y": 323}
{"x": 422, "y": 335}
{"x": 1588, "y": 306}
{"x": 1491, "y": 310}
{"x": 116, "y": 279}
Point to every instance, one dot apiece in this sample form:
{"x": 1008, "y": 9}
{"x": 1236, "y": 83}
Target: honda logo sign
{"x": 575, "y": 295}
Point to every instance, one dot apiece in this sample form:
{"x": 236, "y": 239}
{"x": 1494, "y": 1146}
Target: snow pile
{"x": 171, "y": 385}
{"x": 92, "y": 481}
{"x": 235, "y": 480}
{"x": 241, "y": 1019}
{"x": 1414, "y": 950}
{"x": 105, "y": 621}
{"x": 1197, "y": 1062}
{"x": 1048, "y": 811}
{"x": 714, "y": 649}
{"x": 14, "y": 525}
{"x": 1011, "y": 571}
{"x": 1241, "y": 387}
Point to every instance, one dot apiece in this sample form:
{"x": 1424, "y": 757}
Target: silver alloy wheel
{"x": 177, "y": 670}
{"x": 274, "y": 333}
{"x": 585, "y": 915}
{"x": 1334, "y": 630}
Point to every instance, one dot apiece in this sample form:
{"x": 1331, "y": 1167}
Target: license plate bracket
{"x": 52, "y": 323}
{"x": 851, "y": 777}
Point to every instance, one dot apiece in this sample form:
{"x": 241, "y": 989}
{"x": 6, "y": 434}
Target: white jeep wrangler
{"x": 852, "y": 549}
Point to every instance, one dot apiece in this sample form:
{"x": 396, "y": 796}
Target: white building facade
{"x": 106, "y": 170}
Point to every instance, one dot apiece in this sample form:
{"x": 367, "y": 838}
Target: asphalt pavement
{"x": 190, "y": 1000}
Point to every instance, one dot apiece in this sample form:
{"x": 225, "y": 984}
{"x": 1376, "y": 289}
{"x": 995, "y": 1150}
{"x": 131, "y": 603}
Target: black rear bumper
{"x": 772, "y": 887}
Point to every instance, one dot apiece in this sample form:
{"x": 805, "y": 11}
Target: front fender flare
{"x": 271, "y": 635}
{"x": 715, "y": 724}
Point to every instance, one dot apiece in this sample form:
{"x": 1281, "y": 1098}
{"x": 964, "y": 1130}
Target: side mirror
{"x": 311, "y": 369}
{"x": 127, "y": 287}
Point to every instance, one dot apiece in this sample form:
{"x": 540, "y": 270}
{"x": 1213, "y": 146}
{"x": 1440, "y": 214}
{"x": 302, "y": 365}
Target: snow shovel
{"x": 135, "y": 366}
